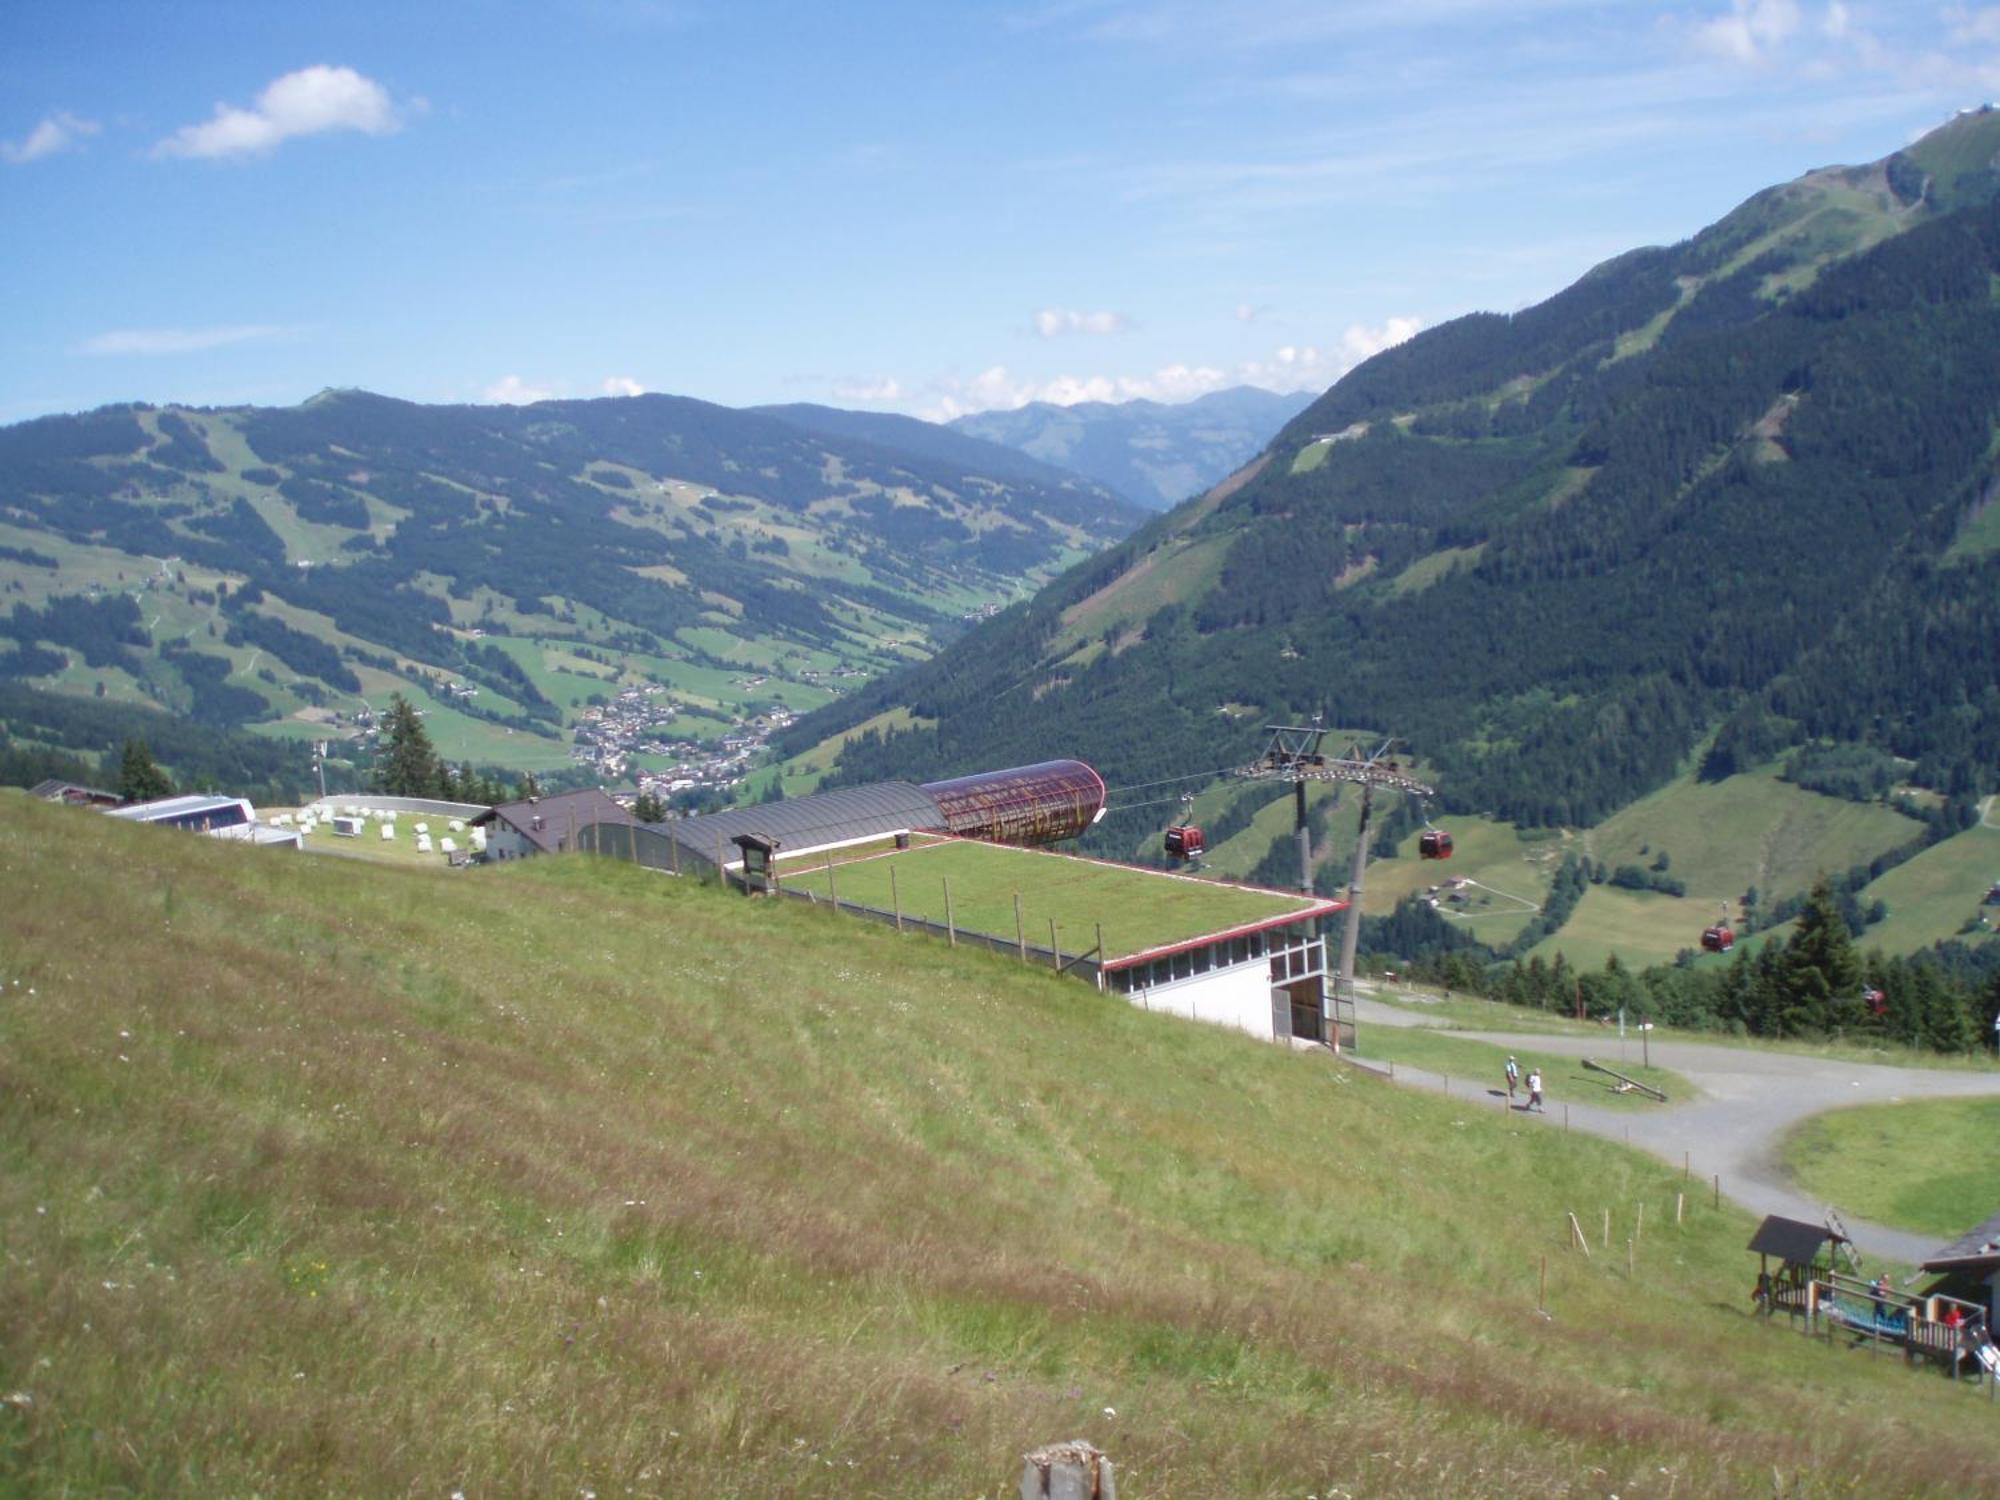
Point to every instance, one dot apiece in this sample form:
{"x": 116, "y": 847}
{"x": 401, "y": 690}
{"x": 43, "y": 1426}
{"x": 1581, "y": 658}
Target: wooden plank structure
{"x": 1930, "y": 1326}
{"x": 1797, "y": 1247}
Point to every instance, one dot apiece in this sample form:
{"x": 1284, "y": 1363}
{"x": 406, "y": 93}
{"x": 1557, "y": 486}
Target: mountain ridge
{"x": 293, "y": 559}
{"x": 1710, "y": 494}
{"x": 1156, "y": 453}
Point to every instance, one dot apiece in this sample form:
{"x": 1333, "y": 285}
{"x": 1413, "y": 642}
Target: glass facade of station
{"x": 1038, "y": 804}
{"x": 1290, "y": 953}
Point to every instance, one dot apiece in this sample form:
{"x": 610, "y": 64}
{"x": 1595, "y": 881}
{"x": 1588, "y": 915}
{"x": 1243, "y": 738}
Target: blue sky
{"x": 928, "y": 207}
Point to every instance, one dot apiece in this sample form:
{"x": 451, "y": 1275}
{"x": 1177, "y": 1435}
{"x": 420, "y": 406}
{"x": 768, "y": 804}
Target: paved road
{"x": 1749, "y": 1099}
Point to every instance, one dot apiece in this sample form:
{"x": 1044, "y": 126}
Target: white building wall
{"x": 1238, "y": 996}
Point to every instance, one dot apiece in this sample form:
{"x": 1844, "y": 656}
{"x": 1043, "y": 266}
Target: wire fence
{"x": 1087, "y": 965}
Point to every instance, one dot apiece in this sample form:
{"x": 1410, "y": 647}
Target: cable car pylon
{"x": 1294, "y": 754}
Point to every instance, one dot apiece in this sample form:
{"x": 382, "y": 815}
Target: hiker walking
{"x": 1535, "y": 1089}
{"x": 1513, "y": 1078}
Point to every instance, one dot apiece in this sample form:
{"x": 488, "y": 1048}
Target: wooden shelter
{"x": 1796, "y": 1246}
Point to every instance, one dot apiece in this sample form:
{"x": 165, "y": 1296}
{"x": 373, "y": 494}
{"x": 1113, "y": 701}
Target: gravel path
{"x": 1749, "y": 1099}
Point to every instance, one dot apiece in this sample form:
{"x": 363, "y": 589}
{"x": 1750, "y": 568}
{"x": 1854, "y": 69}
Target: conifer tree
{"x": 140, "y": 778}
{"x": 1819, "y": 966}
{"x": 408, "y": 766}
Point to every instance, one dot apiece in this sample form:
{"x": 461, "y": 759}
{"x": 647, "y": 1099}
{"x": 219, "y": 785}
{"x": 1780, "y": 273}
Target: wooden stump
{"x": 1067, "y": 1471}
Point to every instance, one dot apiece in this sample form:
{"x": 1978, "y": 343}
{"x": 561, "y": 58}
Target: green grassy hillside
{"x": 1695, "y": 508}
{"x": 285, "y": 568}
{"x": 1722, "y": 837}
{"x": 1924, "y": 1165}
{"x": 1939, "y": 893}
{"x": 564, "y": 1178}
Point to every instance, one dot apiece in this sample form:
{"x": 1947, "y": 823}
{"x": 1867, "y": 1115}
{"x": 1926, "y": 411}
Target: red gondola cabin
{"x": 1185, "y": 841}
{"x": 1434, "y": 844}
{"x": 1718, "y": 939}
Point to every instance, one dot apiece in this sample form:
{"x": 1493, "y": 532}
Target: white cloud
{"x": 309, "y": 102}
{"x": 619, "y": 385}
{"x": 1245, "y": 313}
{"x": 884, "y": 388}
{"x": 1973, "y": 24}
{"x": 1290, "y": 367}
{"x": 512, "y": 390}
{"x": 147, "y": 341}
{"x": 1053, "y": 322}
{"x": 57, "y": 132}
{"x": 1752, "y": 31}
{"x": 1360, "y": 342}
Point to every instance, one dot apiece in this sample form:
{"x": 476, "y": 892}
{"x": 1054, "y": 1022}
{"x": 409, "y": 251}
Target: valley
{"x": 635, "y": 592}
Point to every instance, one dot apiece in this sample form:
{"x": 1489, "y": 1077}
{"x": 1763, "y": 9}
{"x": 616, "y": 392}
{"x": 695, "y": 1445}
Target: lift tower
{"x": 1294, "y": 755}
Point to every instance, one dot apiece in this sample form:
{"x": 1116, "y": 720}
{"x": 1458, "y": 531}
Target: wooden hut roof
{"x": 1791, "y": 1239}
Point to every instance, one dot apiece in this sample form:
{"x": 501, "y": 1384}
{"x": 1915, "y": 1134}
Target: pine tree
{"x": 407, "y": 765}
{"x": 140, "y": 778}
{"x": 1819, "y": 966}
{"x": 1947, "y": 1022}
{"x": 649, "y": 808}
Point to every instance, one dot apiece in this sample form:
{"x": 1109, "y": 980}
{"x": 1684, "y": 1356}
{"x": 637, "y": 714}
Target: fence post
{"x": 1055, "y": 953}
{"x": 832, "y": 891}
{"x": 1020, "y": 932}
{"x": 950, "y": 928}
{"x": 895, "y": 900}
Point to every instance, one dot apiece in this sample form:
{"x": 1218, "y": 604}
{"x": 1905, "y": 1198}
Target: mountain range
{"x": 1151, "y": 452}
{"x": 509, "y": 568}
{"x": 1714, "y": 501}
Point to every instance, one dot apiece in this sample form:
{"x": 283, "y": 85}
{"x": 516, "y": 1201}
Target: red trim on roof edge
{"x": 1147, "y": 955}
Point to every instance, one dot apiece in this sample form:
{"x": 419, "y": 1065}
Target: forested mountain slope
{"x": 1155, "y": 452}
{"x": 1745, "y": 481}
{"x": 253, "y": 565}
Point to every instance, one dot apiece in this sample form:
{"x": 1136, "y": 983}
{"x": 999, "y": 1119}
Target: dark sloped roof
{"x": 1790, "y": 1239}
{"x": 836, "y": 817}
{"x": 69, "y": 791}
{"x": 1975, "y": 1245}
{"x": 546, "y": 822}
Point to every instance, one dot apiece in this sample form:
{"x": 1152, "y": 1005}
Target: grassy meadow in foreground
{"x": 319, "y": 1177}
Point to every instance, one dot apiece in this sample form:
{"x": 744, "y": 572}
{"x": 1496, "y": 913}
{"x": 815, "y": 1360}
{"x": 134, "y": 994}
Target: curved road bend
{"x": 1748, "y": 1101}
